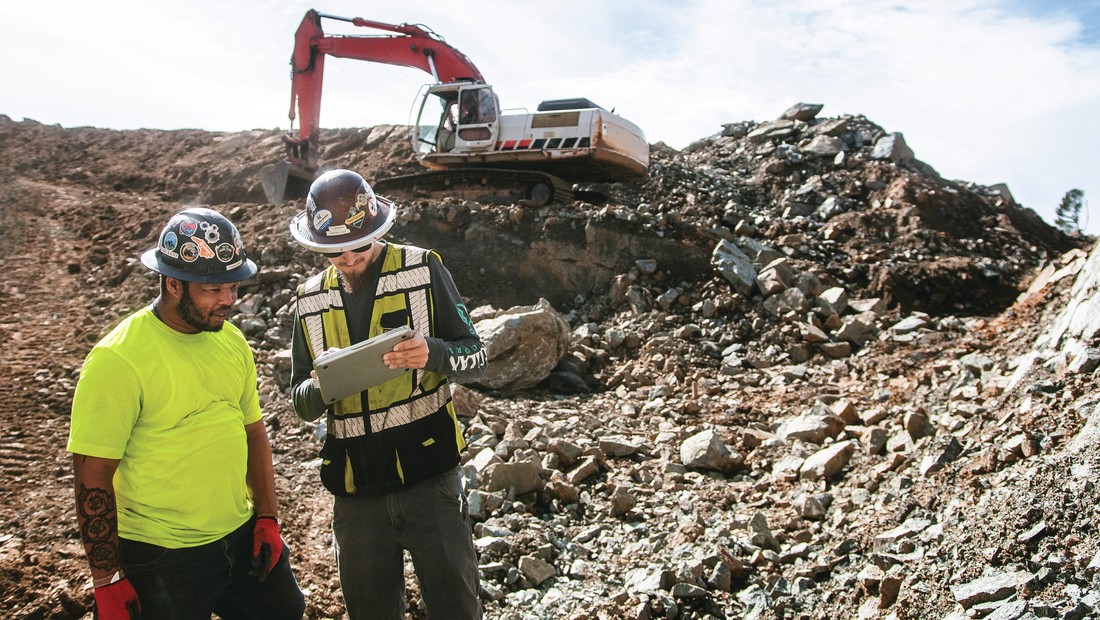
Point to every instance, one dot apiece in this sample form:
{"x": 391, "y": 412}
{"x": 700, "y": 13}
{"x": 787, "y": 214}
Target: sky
{"x": 984, "y": 91}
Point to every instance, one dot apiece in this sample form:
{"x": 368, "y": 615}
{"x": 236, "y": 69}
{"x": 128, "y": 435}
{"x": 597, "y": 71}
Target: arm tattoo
{"x": 98, "y": 526}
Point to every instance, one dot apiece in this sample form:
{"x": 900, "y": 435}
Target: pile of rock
{"x": 787, "y": 375}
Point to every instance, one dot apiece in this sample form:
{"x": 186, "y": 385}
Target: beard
{"x": 191, "y": 314}
{"x": 354, "y": 282}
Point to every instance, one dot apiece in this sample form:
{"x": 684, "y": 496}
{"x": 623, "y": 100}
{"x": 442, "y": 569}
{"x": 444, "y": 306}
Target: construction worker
{"x": 391, "y": 452}
{"x": 175, "y": 495}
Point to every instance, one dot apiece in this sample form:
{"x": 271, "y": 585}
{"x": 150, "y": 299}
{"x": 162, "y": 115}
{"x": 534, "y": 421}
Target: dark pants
{"x": 192, "y": 583}
{"x": 430, "y": 520}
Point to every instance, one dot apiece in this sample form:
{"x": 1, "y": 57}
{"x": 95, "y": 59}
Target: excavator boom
{"x": 408, "y": 45}
{"x": 411, "y": 45}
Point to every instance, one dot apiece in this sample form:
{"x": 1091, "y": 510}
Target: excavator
{"x": 471, "y": 147}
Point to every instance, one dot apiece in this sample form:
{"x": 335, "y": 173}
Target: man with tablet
{"x": 393, "y": 441}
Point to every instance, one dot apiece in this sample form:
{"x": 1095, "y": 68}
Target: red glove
{"x": 267, "y": 546}
{"x": 117, "y": 601}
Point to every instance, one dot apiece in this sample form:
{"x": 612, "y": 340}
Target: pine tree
{"x": 1068, "y": 214}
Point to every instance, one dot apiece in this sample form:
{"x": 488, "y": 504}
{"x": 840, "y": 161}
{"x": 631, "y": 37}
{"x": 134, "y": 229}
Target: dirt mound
{"x": 665, "y": 347}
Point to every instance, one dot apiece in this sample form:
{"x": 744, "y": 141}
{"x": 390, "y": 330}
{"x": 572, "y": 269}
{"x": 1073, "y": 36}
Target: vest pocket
{"x": 427, "y": 448}
{"x": 395, "y": 319}
{"x": 334, "y": 467}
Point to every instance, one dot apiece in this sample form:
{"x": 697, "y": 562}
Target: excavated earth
{"x": 961, "y": 441}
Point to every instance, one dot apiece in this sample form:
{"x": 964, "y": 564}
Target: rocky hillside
{"x": 806, "y": 377}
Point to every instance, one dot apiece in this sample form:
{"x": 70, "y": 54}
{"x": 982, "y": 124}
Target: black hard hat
{"x": 200, "y": 245}
{"x": 342, "y": 213}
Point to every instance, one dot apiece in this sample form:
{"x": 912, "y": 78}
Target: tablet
{"x": 358, "y": 367}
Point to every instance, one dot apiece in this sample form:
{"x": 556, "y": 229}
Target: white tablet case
{"x": 358, "y": 367}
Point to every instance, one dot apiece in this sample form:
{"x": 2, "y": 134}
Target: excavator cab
{"x": 460, "y": 117}
{"x": 477, "y": 117}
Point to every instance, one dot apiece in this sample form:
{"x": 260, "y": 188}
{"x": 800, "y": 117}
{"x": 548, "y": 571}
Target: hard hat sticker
{"x": 189, "y": 252}
{"x": 356, "y": 217}
{"x": 210, "y": 232}
{"x": 366, "y": 199}
{"x": 188, "y": 227}
{"x": 336, "y": 231}
{"x": 204, "y": 250}
{"x": 226, "y": 252}
{"x": 170, "y": 241}
{"x": 322, "y": 219}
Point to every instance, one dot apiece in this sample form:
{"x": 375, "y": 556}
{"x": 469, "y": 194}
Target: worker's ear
{"x": 174, "y": 287}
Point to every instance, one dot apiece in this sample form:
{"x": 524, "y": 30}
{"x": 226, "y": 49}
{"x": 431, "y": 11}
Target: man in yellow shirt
{"x": 175, "y": 492}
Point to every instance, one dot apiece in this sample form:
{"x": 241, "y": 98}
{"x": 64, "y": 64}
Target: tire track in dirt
{"x": 37, "y": 301}
{"x": 41, "y": 268}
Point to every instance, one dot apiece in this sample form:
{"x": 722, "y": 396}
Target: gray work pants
{"x": 430, "y": 520}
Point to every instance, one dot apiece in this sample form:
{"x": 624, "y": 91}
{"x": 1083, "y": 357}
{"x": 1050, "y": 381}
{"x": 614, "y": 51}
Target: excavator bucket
{"x": 273, "y": 177}
{"x": 284, "y": 181}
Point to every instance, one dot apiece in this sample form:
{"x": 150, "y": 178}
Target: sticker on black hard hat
{"x": 210, "y": 232}
{"x": 226, "y": 252}
{"x": 188, "y": 227}
{"x": 204, "y": 249}
{"x": 189, "y": 252}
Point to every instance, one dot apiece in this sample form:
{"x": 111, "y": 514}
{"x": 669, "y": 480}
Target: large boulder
{"x": 525, "y": 343}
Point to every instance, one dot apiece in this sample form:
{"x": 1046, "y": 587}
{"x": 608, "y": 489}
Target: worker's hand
{"x": 409, "y": 353}
{"x": 118, "y": 601}
{"x": 267, "y": 546}
{"x": 313, "y": 373}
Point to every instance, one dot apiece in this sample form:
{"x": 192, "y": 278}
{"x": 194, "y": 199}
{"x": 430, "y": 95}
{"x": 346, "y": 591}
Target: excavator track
{"x": 484, "y": 185}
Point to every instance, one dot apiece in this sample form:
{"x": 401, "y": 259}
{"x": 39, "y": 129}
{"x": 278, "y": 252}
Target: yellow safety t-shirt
{"x": 172, "y": 407}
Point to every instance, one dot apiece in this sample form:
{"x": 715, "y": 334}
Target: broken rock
{"x": 991, "y": 588}
{"x": 706, "y": 450}
{"x": 828, "y": 462}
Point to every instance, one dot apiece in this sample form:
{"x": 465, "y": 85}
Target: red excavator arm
{"x": 407, "y": 45}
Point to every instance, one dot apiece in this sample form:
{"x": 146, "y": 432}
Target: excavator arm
{"x": 406, "y": 45}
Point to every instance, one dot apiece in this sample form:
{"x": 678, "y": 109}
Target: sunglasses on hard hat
{"x": 365, "y": 248}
